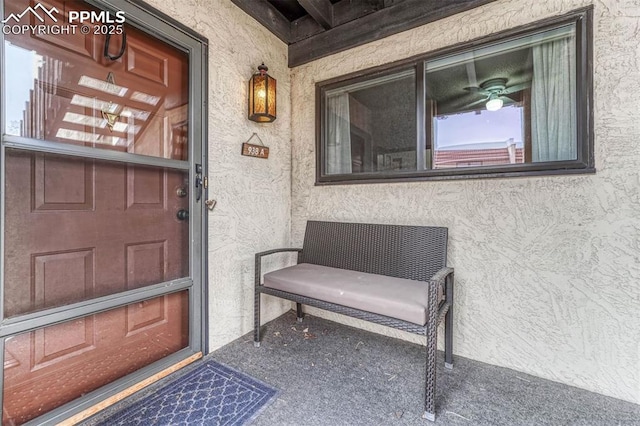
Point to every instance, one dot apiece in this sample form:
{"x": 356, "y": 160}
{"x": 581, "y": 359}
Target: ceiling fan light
{"x": 494, "y": 104}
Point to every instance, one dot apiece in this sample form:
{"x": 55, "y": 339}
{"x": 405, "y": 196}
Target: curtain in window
{"x": 553, "y": 94}
{"x": 338, "y": 154}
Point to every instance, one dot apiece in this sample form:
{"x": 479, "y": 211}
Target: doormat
{"x": 211, "y": 394}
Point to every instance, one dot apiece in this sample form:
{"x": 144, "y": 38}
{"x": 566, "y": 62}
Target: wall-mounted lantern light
{"x": 262, "y": 96}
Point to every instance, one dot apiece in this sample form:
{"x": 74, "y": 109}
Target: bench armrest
{"x": 259, "y": 256}
{"x": 444, "y": 278}
{"x": 441, "y": 275}
{"x": 280, "y": 250}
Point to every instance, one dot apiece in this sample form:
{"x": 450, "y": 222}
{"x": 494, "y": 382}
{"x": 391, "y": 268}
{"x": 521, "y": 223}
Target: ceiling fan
{"x": 496, "y": 92}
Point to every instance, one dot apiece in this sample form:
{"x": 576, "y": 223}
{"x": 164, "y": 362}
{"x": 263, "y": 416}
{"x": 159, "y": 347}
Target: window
{"x": 370, "y": 126}
{"x": 515, "y": 104}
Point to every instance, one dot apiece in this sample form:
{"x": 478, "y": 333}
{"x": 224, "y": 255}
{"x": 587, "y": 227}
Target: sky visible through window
{"x": 488, "y": 129}
{"x": 19, "y": 80}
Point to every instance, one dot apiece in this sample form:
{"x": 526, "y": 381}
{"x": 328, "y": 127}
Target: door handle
{"x": 182, "y": 214}
{"x": 198, "y": 182}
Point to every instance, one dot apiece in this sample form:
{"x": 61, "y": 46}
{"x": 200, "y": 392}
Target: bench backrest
{"x": 413, "y": 252}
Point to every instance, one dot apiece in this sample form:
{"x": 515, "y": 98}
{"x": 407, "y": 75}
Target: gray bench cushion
{"x": 393, "y": 297}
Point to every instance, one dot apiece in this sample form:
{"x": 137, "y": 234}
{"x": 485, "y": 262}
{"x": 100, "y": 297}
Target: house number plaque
{"x": 258, "y": 151}
{"x": 251, "y": 150}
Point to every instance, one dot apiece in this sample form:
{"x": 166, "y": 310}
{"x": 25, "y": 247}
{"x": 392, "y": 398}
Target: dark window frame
{"x": 584, "y": 164}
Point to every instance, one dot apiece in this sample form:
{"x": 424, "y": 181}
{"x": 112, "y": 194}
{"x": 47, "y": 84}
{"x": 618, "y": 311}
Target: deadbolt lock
{"x": 182, "y": 214}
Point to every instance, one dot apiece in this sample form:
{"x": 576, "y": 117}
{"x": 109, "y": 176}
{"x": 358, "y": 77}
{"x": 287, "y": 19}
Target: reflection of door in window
{"x": 357, "y": 154}
{"x": 178, "y": 133}
{"x": 360, "y": 151}
{"x": 179, "y": 140}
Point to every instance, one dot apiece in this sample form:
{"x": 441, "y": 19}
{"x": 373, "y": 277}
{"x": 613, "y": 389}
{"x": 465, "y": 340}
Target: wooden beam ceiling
{"x": 343, "y": 12}
{"x": 320, "y": 10}
{"x": 267, "y": 14}
{"x": 331, "y": 26}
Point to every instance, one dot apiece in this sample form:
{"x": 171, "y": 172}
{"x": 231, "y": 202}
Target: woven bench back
{"x": 412, "y": 252}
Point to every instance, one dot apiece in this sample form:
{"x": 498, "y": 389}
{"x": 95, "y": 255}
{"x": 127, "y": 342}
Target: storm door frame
{"x": 163, "y": 27}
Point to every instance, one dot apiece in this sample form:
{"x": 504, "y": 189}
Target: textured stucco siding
{"x": 547, "y": 268}
{"x": 254, "y": 195}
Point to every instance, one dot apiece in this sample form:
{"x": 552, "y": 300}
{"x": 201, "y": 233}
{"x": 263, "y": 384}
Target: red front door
{"x": 78, "y": 229}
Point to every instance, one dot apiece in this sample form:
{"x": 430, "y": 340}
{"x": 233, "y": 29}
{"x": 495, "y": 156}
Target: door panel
{"x": 49, "y": 349}
{"x": 145, "y": 315}
{"x": 51, "y": 366}
{"x": 146, "y": 62}
{"x": 59, "y": 185}
{"x": 145, "y": 188}
{"x": 58, "y": 278}
{"x": 78, "y": 229}
{"x": 78, "y": 43}
{"x": 146, "y": 263}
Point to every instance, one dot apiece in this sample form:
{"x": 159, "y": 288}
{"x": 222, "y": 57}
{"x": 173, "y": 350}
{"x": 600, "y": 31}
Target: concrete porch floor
{"x": 331, "y": 374}
{"x": 338, "y": 375}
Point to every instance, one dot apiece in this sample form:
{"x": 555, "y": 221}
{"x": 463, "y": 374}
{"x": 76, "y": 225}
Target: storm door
{"x": 102, "y": 187}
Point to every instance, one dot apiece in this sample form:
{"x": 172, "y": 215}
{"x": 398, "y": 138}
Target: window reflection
{"x": 62, "y": 89}
{"x": 371, "y": 126}
{"x": 506, "y": 103}
{"x": 498, "y": 139}
{"x": 20, "y": 81}
{"x": 103, "y": 86}
{"x": 51, "y": 366}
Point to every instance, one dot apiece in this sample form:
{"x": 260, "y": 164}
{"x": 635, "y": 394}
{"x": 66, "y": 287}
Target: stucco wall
{"x": 547, "y": 268}
{"x": 254, "y": 195}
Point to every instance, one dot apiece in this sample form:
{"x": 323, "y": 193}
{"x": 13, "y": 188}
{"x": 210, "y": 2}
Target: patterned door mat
{"x": 211, "y": 394}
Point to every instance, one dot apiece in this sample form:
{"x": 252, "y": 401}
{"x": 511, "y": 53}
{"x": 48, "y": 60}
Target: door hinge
{"x": 206, "y": 182}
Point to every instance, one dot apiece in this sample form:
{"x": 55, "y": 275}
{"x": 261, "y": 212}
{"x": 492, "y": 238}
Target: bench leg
{"x": 448, "y": 326}
{"x": 256, "y": 321}
{"x": 448, "y": 339}
{"x": 430, "y": 379}
{"x": 299, "y": 311}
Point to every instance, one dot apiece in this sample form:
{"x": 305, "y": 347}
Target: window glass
{"x": 79, "y": 229}
{"x": 63, "y": 88}
{"x": 518, "y": 105}
{"x": 497, "y": 138}
{"x": 506, "y": 103}
{"x": 50, "y": 366}
{"x": 370, "y": 127}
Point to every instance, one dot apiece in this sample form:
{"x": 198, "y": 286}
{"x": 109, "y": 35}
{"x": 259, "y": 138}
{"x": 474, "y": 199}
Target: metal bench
{"x": 348, "y": 268}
